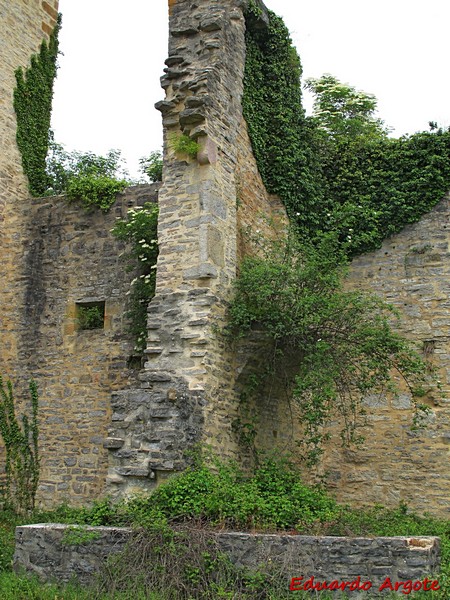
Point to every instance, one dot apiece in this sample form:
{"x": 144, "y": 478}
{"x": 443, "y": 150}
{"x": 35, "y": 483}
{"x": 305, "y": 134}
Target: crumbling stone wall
{"x": 411, "y": 271}
{"x": 53, "y": 257}
{"x": 104, "y": 419}
{"x": 187, "y": 390}
{"x": 40, "y": 550}
{"x": 396, "y": 462}
{"x": 72, "y": 259}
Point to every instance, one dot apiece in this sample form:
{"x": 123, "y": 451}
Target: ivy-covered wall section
{"x": 279, "y": 130}
{"x": 33, "y": 104}
{"x": 375, "y": 189}
{"x": 362, "y": 188}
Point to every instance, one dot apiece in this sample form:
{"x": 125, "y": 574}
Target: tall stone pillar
{"x": 187, "y": 393}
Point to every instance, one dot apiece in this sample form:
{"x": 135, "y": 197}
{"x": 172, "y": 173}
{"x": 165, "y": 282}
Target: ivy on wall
{"x": 363, "y": 189}
{"x": 346, "y": 187}
{"x": 374, "y": 190}
{"x": 279, "y": 130}
{"x": 20, "y": 440}
{"x": 32, "y": 103}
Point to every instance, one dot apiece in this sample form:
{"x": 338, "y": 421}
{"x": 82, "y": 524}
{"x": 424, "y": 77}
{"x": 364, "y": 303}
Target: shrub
{"x": 94, "y": 180}
{"x": 95, "y": 190}
{"x": 139, "y": 230}
{"x": 339, "y": 345}
{"x": 90, "y": 317}
{"x": 272, "y": 497}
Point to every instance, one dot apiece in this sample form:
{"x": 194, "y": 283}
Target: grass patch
{"x": 174, "y": 535}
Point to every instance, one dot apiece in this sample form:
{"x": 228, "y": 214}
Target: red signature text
{"x": 405, "y": 587}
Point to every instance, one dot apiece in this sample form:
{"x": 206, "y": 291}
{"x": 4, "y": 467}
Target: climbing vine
{"x": 280, "y": 133}
{"x": 346, "y": 186}
{"x": 139, "y": 229}
{"x": 33, "y": 103}
{"x": 22, "y": 463}
{"x": 362, "y": 187}
{"x": 375, "y": 189}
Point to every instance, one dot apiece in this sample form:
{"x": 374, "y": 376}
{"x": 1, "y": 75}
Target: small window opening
{"x": 429, "y": 347}
{"x": 90, "y": 315}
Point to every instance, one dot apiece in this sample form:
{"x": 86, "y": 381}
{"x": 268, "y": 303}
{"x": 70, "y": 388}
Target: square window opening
{"x": 90, "y": 315}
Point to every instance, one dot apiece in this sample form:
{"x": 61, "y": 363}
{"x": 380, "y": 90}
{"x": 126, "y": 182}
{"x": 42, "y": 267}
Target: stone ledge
{"x": 40, "y": 550}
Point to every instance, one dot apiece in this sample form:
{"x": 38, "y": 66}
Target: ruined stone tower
{"x": 111, "y": 425}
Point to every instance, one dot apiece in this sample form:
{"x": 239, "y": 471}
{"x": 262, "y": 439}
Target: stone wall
{"x": 40, "y": 550}
{"x": 24, "y": 26}
{"x": 96, "y": 424}
{"x": 102, "y": 418}
{"x": 187, "y": 392}
{"x": 411, "y": 271}
{"x": 191, "y": 382}
{"x": 396, "y": 463}
{"x": 71, "y": 260}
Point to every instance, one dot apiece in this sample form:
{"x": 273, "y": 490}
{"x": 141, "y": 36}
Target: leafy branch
{"x": 339, "y": 345}
{"x": 139, "y": 230}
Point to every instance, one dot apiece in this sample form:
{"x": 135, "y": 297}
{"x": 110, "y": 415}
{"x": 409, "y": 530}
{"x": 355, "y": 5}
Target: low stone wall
{"x": 44, "y": 550}
{"x": 47, "y": 551}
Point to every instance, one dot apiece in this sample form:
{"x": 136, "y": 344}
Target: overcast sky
{"x": 113, "y": 57}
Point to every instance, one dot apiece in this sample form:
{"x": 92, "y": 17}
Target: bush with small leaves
{"x": 139, "y": 230}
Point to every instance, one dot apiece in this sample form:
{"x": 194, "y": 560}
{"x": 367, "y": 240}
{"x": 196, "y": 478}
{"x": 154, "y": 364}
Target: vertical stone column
{"x": 187, "y": 393}
{"x": 198, "y": 225}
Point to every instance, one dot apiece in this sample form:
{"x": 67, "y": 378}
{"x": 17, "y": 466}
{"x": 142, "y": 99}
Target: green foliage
{"x": 79, "y": 536}
{"x": 272, "y": 497}
{"x": 182, "y": 561}
{"x": 152, "y": 166}
{"x": 377, "y": 188}
{"x": 62, "y": 166}
{"x": 139, "y": 230}
{"x": 8, "y": 521}
{"x": 337, "y": 171}
{"x": 33, "y": 104}
{"x": 90, "y": 317}
{"x": 20, "y": 439}
{"x": 95, "y": 190}
{"x": 341, "y": 110}
{"x": 281, "y": 135}
{"x": 183, "y": 144}
{"x": 339, "y": 345}
{"x": 19, "y": 587}
{"x": 94, "y": 180}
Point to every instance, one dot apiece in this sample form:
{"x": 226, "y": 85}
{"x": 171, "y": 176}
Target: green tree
{"x": 85, "y": 176}
{"x": 152, "y": 166}
{"x": 341, "y": 110}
